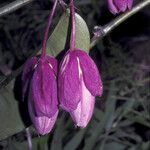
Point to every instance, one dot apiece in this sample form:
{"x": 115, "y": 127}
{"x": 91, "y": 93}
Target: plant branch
{"x": 51, "y": 15}
{"x": 13, "y": 6}
{"x": 102, "y": 31}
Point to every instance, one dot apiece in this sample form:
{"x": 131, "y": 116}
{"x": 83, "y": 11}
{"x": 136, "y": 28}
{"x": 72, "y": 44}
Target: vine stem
{"x": 104, "y": 30}
{"x": 29, "y": 138}
{"x": 13, "y": 6}
{"x": 73, "y": 30}
{"x": 47, "y": 28}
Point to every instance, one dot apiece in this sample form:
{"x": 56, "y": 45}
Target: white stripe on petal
{"x": 65, "y": 63}
{"x": 84, "y": 111}
{"x": 79, "y": 68}
{"x": 50, "y": 65}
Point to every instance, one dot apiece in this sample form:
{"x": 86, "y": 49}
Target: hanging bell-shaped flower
{"x": 79, "y": 82}
{"x": 39, "y": 78}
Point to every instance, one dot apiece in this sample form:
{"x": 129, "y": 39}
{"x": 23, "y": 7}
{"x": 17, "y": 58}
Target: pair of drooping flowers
{"x": 117, "y": 6}
{"x": 73, "y": 87}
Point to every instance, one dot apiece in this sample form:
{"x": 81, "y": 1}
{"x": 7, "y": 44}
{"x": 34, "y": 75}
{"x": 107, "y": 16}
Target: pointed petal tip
{"x": 44, "y": 125}
{"x": 81, "y": 126}
{"x": 112, "y": 8}
{"x": 100, "y": 91}
{"x": 90, "y": 71}
{"x": 130, "y": 4}
{"x": 83, "y": 114}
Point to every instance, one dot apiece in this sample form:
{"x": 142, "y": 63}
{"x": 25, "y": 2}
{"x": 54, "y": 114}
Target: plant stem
{"x": 63, "y": 4}
{"x": 29, "y": 139}
{"x": 13, "y": 6}
{"x": 103, "y": 31}
{"x": 73, "y": 29}
{"x": 47, "y": 28}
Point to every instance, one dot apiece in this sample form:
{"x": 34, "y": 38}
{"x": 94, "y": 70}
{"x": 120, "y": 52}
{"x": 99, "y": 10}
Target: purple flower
{"x": 117, "y": 6}
{"x": 43, "y": 124}
{"x": 39, "y": 78}
{"x": 79, "y": 83}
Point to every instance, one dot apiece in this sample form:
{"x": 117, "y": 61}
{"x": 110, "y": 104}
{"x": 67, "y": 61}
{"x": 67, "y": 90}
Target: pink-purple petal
{"x": 43, "y": 124}
{"x": 90, "y": 73}
{"x": 130, "y": 4}
{"x": 121, "y": 5}
{"x": 84, "y": 111}
{"x": 44, "y": 90}
{"x": 117, "y": 6}
{"x": 69, "y": 83}
{"x": 112, "y": 7}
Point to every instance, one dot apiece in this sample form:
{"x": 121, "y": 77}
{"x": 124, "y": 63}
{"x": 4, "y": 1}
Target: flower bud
{"x": 39, "y": 77}
{"x": 79, "y": 83}
{"x": 117, "y": 6}
{"x": 42, "y": 124}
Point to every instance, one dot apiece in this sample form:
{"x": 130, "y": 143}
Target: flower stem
{"x": 63, "y": 4}
{"x": 6, "y": 9}
{"x": 73, "y": 21}
{"x": 47, "y": 28}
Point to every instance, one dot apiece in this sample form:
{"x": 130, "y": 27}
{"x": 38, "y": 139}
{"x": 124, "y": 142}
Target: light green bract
{"x": 58, "y": 39}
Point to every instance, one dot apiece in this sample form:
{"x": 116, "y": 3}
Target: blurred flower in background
{"x": 117, "y": 6}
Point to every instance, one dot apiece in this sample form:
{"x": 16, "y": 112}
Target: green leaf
{"x": 146, "y": 145}
{"x": 115, "y": 146}
{"x": 38, "y": 143}
{"x": 138, "y": 119}
{"x": 75, "y": 141}
{"x": 60, "y": 38}
{"x": 10, "y": 119}
{"x": 56, "y": 143}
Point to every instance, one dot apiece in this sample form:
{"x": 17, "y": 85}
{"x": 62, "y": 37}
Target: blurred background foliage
{"x": 121, "y": 119}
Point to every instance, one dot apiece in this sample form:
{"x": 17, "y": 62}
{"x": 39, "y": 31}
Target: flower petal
{"x": 91, "y": 74}
{"x": 113, "y": 9}
{"x": 27, "y": 74}
{"x": 121, "y": 5}
{"x": 130, "y": 4}
{"x": 84, "y": 111}
{"x": 42, "y": 124}
{"x": 44, "y": 90}
{"x": 69, "y": 83}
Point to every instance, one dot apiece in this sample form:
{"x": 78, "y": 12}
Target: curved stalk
{"x": 73, "y": 29}
{"x": 47, "y": 29}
